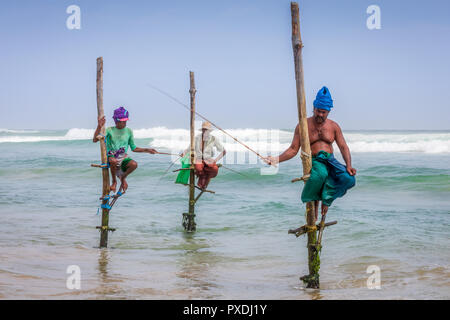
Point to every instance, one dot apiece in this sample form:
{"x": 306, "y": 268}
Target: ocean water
{"x": 397, "y": 218}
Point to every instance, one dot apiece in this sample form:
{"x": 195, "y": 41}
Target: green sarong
{"x": 183, "y": 175}
{"x": 124, "y": 164}
{"x": 329, "y": 179}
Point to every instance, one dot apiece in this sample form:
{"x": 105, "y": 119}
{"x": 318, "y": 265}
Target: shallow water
{"x": 397, "y": 217}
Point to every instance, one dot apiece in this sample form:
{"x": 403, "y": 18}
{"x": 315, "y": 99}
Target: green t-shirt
{"x": 119, "y": 138}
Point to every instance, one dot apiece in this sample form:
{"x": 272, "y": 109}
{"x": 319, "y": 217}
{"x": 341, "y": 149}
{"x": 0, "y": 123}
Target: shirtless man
{"x": 329, "y": 179}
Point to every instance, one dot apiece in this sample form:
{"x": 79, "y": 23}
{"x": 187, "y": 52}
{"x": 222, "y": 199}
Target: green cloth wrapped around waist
{"x": 329, "y": 179}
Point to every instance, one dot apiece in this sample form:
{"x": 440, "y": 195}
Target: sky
{"x": 393, "y": 78}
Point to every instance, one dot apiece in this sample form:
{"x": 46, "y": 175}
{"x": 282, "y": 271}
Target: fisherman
{"x": 118, "y": 139}
{"x": 205, "y": 165}
{"x": 329, "y": 179}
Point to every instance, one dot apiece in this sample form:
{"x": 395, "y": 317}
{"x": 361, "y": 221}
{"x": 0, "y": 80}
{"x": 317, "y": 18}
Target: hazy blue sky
{"x": 240, "y": 51}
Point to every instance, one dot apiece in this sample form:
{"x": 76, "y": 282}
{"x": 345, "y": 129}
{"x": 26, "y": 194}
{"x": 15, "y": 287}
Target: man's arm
{"x": 100, "y": 124}
{"x": 137, "y": 149}
{"x": 182, "y": 154}
{"x": 188, "y": 149}
{"x": 146, "y": 150}
{"x": 219, "y": 146}
{"x": 220, "y": 156}
{"x": 345, "y": 151}
{"x": 290, "y": 152}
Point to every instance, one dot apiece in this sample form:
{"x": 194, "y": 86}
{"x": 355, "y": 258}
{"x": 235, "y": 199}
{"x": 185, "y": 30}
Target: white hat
{"x": 206, "y": 125}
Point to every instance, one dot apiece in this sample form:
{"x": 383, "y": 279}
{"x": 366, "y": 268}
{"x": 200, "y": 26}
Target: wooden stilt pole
{"x": 311, "y": 280}
{"x": 105, "y": 171}
{"x": 188, "y": 219}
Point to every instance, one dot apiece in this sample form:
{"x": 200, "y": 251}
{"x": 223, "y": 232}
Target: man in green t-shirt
{"x": 118, "y": 139}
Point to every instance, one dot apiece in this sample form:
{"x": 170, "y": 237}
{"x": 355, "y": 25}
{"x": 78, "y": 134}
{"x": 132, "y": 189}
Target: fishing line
{"x": 171, "y": 165}
{"x": 235, "y": 171}
{"x": 187, "y": 107}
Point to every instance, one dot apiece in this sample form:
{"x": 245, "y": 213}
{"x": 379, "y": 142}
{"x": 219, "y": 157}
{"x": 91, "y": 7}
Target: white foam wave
{"x": 278, "y": 140}
{"x": 79, "y": 134}
{"x": 72, "y": 134}
{"x": 28, "y": 139}
{"x": 260, "y": 139}
{"x": 17, "y": 131}
{"x": 260, "y": 147}
{"x": 409, "y": 142}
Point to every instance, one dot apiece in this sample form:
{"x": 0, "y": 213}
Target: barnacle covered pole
{"x": 105, "y": 171}
{"x": 312, "y": 279}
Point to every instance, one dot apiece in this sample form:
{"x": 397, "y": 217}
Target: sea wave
{"x": 29, "y": 139}
{"x": 17, "y": 131}
{"x": 430, "y": 142}
{"x": 269, "y": 140}
{"x": 278, "y": 140}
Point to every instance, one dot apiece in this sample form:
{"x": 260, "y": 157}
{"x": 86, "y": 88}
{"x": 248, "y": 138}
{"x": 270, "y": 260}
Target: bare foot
{"x": 124, "y": 184}
{"x": 206, "y": 182}
{"x": 113, "y": 186}
{"x": 201, "y": 186}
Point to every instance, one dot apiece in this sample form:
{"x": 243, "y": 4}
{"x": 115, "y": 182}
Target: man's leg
{"x": 211, "y": 172}
{"x": 316, "y": 208}
{"x": 198, "y": 168}
{"x": 131, "y": 165}
{"x": 337, "y": 183}
{"x": 324, "y": 209}
{"x": 113, "y": 168}
{"x": 199, "y": 171}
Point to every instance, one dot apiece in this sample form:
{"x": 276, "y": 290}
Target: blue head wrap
{"x": 323, "y": 99}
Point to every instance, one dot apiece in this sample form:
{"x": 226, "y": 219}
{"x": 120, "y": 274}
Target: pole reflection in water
{"x": 108, "y": 286}
{"x": 196, "y": 267}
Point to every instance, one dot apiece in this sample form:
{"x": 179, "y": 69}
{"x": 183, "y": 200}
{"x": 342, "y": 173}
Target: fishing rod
{"x": 170, "y": 154}
{"x": 187, "y": 107}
